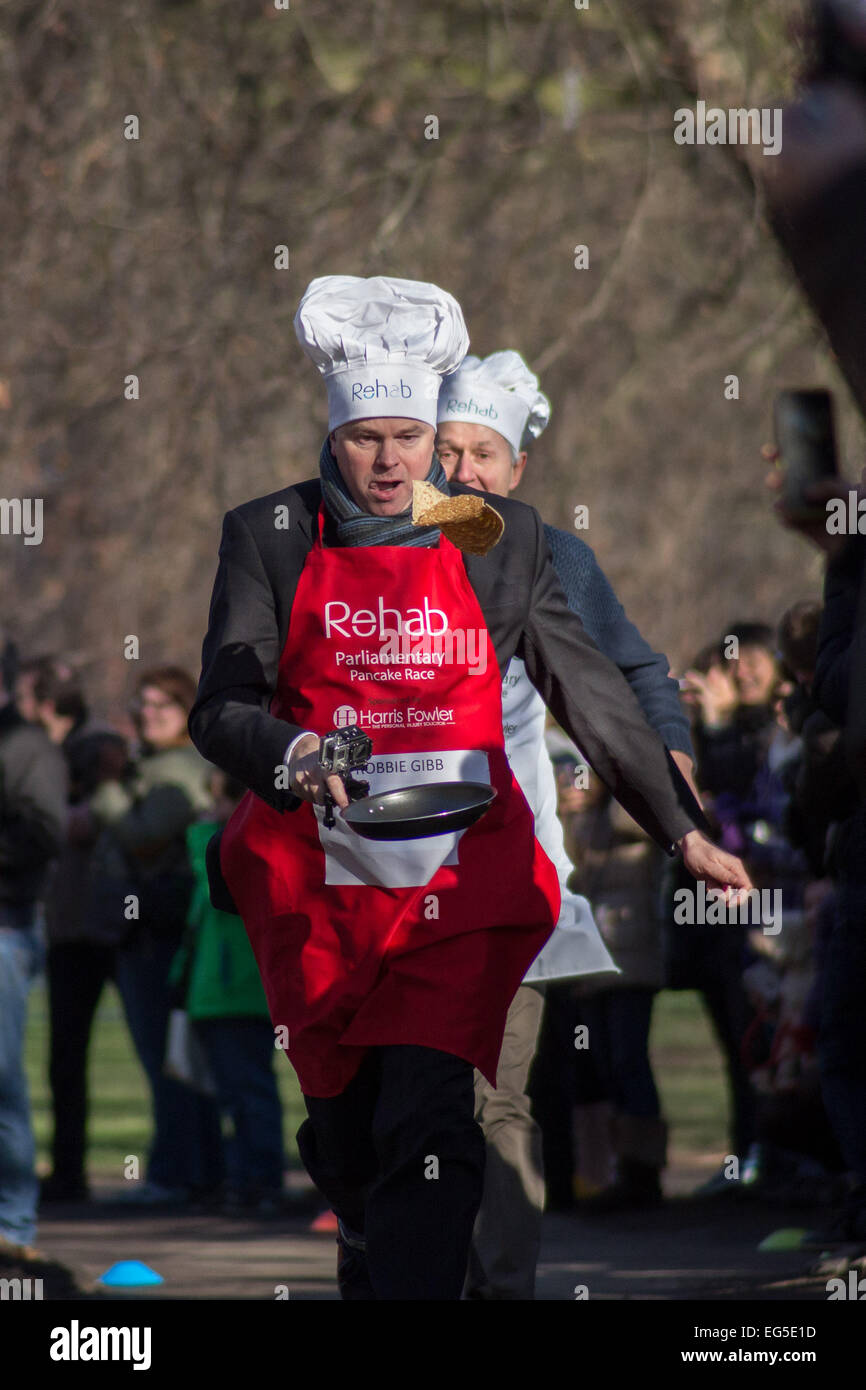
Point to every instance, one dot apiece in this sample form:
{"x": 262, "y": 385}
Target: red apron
{"x": 363, "y": 943}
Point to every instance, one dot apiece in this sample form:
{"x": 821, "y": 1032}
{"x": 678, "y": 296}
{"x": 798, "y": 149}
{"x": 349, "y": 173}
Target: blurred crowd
{"x": 118, "y": 875}
{"x": 122, "y": 888}
{"x": 775, "y": 786}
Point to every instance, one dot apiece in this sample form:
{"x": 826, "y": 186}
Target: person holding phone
{"x": 816, "y": 197}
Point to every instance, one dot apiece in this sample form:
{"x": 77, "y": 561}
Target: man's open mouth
{"x": 383, "y": 489}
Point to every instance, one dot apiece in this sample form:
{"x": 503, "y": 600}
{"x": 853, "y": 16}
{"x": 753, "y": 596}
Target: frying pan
{"x": 415, "y": 813}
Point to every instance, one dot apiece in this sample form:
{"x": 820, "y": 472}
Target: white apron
{"x": 575, "y": 948}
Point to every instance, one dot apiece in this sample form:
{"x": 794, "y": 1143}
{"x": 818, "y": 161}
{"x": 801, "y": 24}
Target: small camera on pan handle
{"x": 341, "y": 752}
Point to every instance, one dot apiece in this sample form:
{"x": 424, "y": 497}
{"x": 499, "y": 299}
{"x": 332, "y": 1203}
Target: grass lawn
{"x": 687, "y": 1066}
{"x": 690, "y": 1075}
{"x": 119, "y": 1095}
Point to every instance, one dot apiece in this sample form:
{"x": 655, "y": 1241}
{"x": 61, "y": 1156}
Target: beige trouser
{"x": 507, "y": 1234}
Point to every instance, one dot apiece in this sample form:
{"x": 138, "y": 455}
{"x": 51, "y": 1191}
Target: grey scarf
{"x": 357, "y": 527}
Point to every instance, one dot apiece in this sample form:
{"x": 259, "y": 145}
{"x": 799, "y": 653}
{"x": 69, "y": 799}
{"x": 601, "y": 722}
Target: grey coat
{"x": 33, "y": 787}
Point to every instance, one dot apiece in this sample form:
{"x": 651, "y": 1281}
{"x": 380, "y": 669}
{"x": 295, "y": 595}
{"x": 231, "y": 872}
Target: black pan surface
{"x": 415, "y": 813}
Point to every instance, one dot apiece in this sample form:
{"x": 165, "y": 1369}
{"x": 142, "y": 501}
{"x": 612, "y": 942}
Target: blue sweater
{"x": 591, "y": 597}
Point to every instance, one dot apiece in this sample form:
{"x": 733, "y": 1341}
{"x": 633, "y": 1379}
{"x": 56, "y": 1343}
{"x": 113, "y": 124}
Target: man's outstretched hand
{"x": 714, "y": 866}
{"x": 702, "y": 859}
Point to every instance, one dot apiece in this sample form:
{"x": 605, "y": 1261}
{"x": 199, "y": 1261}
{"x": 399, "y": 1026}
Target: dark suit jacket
{"x": 526, "y": 613}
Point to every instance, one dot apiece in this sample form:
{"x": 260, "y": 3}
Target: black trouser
{"x": 619, "y": 1021}
{"x": 555, "y": 1075}
{"x": 728, "y": 1006}
{"x": 77, "y": 973}
{"x": 401, "y": 1160}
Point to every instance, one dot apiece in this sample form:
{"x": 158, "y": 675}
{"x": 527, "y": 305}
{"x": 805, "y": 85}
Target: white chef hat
{"x": 382, "y": 345}
{"x": 499, "y": 391}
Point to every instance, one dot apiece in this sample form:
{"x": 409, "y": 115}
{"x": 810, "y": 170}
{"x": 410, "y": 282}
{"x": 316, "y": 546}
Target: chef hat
{"x": 382, "y": 345}
{"x": 499, "y": 391}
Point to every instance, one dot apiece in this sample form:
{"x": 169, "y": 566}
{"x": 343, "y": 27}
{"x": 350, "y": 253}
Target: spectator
{"x": 796, "y": 1150}
{"x": 731, "y": 740}
{"x": 142, "y": 851}
{"x": 824, "y": 791}
{"x": 25, "y": 679}
{"x": 618, "y": 869}
{"x": 818, "y": 209}
{"x": 224, "y": 996}
{"x": 840, "y": 691}
{"x": 735, "y": 701}
{"x": 32, "y": 811}
{"x": 79, "y": 963}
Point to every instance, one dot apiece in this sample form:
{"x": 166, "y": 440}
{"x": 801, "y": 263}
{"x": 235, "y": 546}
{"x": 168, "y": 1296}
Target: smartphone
{"x": 806, "y": 442}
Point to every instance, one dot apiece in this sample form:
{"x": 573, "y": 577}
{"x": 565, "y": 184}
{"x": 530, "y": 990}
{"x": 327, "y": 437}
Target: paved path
{"x": 685, "y": 1249}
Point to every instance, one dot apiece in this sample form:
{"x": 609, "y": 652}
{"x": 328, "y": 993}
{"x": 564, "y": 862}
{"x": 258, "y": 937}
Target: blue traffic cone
{"x": 130, "y": 1274}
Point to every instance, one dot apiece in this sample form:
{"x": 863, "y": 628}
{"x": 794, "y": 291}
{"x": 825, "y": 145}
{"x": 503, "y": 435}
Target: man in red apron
{"x": 389, "y": 967}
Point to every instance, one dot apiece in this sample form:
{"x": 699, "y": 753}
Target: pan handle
{"x": 355, "y": 789}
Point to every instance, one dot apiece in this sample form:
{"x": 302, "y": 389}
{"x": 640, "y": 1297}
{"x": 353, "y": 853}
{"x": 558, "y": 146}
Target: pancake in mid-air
{"x": 467, "y": 521}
